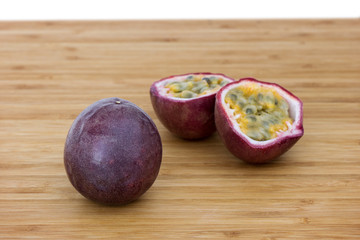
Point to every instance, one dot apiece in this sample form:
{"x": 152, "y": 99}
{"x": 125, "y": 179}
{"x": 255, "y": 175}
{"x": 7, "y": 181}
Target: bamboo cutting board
{"x": 50, "y": 71}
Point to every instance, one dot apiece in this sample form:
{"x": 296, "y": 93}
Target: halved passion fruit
{"x": 185, "y": 103}
{"x": 258, "y": 121}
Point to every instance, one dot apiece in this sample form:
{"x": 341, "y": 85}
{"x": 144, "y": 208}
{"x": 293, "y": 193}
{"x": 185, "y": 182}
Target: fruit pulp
{"x": 262, "y": 114}
{"x": 194, "y": 86}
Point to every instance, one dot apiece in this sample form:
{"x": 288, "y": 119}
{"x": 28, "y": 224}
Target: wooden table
{"x": 50, "y": 71}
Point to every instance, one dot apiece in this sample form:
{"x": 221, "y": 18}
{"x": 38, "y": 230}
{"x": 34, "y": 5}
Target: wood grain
{"x": 50, "y": 71}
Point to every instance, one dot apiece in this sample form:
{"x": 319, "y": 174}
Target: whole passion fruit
{"x": 112, "y": 152}
{"x": 258, "y": 121}
{"x": 185, "y": 103}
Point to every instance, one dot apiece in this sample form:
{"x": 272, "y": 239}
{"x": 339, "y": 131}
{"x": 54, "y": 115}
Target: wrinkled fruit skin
{"x": 240, "y": 148}
{"x": 112, "y": 152}
{"x": 192, "y": 119}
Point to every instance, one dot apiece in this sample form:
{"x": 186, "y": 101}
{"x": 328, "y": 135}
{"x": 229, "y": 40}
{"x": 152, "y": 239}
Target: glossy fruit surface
{"x": 258, "y": 121}
{"x": 185, "y": 103}
{"x": 112, "y": 152}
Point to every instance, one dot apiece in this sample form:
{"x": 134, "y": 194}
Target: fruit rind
{"x": 113, "y": 152}
{"x": 188, "y": 118}
{"x": 250, "y": 150}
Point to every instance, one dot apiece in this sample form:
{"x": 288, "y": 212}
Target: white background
{"x": 171, "y": 9}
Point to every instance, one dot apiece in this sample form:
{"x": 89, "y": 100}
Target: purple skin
{"x": 240, "y": 147}
{"x": 189, "y": 119}
{"x": 112, "y": 152}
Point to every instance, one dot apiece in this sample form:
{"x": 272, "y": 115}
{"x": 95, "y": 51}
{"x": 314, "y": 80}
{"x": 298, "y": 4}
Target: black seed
{"x": 207, "y": 80}
{"x": 276, "y": 101}
{"x": 240, "y": 103}
{"x": 249, "y": 111}
{"x": 260, "y": 97}
{"x": 233, "y": 97}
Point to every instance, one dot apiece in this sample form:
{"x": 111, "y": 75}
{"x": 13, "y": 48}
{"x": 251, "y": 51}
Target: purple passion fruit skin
{"x": 246, "y": 148}
{"x": 112, "y": 152}
{"x": 188, "y": 118}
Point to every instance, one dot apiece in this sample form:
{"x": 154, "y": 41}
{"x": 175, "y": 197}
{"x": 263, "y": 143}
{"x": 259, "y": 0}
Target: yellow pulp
{"x": 261, "y": 113}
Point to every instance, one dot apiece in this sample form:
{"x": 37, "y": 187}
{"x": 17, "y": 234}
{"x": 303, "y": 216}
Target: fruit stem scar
{"x": 117, "y": 102}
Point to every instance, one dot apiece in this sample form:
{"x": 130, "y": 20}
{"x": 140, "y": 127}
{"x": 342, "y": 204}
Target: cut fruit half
{"x": 185, "y": 103}
{"x": 258, "y": 121}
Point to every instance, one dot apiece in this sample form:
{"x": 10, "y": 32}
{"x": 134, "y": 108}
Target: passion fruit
{"x": 258, "y": 121}
{"x": 112, "y": 152}
{"x": 185, "y": 103}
